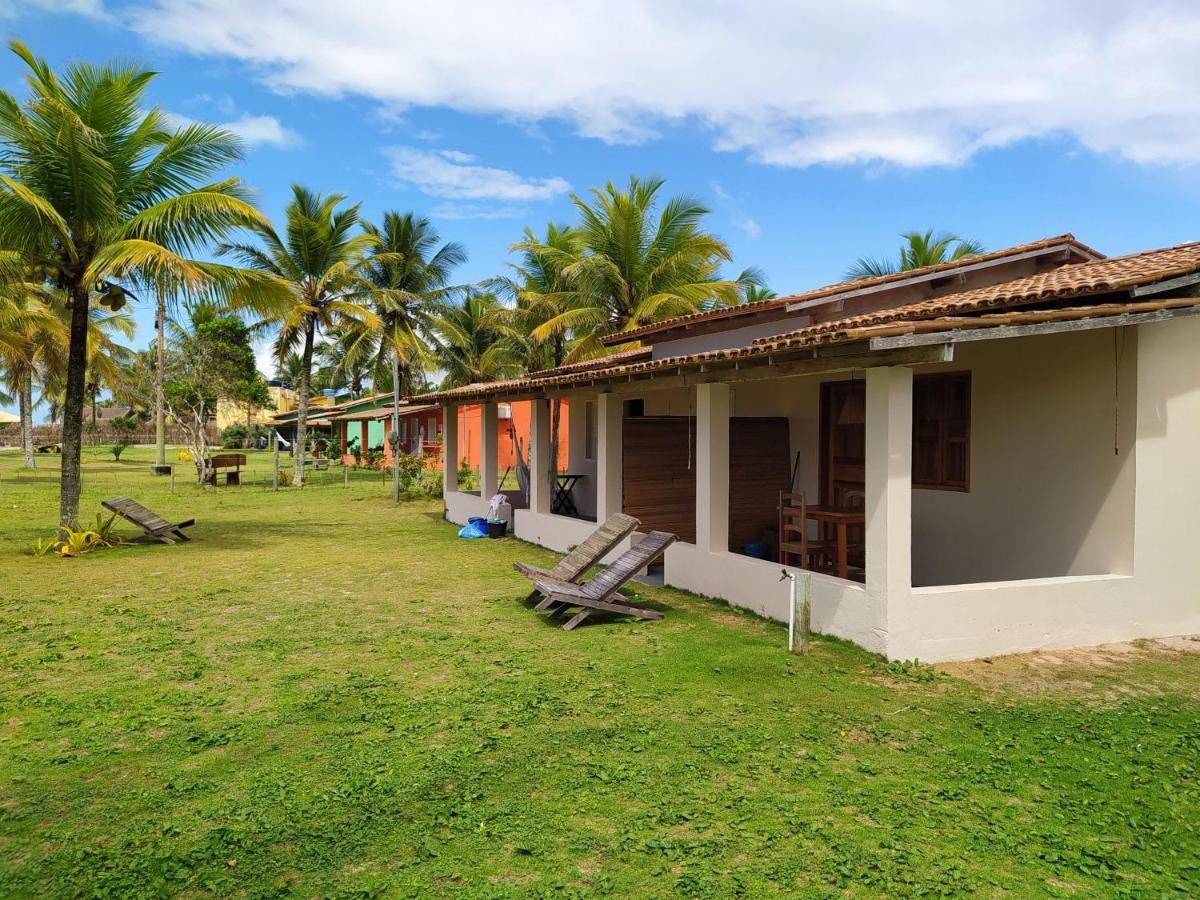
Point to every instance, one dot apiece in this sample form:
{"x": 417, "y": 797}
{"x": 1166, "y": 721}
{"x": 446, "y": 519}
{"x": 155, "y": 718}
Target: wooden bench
{"x": 230, "y": 463}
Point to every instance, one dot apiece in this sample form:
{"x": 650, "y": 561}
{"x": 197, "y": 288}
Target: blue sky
{"x": 816, "y": 133}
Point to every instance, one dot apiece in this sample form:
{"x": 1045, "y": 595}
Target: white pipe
{"x": 791, "y": 578}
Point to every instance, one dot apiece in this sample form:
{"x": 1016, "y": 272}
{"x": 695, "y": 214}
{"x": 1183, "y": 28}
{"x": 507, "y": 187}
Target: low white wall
{"x": 839, "y": 608}
{"x": 460, "y": 506}
{"x": 559, "y": 533}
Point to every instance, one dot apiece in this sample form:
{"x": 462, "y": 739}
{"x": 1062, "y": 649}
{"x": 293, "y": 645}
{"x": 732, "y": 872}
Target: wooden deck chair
{"x": 580, "y": 560}
{"x": 156, "y": 528}
{"x": 600, "y": 593}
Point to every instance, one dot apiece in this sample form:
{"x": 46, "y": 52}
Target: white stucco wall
{"x": 1159, "y": 597}
{"x": 1048, "y": 495}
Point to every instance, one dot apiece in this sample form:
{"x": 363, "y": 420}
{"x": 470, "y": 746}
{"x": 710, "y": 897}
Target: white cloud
{"x": 719, "y": 190}
{"x": 475, "y": 211}
{"x": 752, "y": 229}
{"x": 260, "y": 130}
{"x": 92, "y": 9}
{"x": 788, "y": 82}
{"x": 452, "y": 174}
{"x": 254, "y": 130}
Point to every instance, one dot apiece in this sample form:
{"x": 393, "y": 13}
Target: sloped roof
{"x": 1095, "y": 279}
{"x": 830, "y": 291}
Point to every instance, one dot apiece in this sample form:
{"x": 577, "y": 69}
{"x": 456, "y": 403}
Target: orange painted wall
{"x": 470, "y": 435}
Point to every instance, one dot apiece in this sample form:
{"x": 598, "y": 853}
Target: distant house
{"x": 363, "y": 423}
{"x": 105, "y": 414}
{"x": 997, "y": 454}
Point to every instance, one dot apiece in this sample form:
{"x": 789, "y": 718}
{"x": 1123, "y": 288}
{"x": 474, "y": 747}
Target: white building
{"x": 1012, "y": 441}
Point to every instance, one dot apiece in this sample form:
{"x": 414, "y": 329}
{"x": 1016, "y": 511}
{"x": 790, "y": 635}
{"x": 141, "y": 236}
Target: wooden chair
{"x": 793, "y": 529}
{"x": 600, "y": 593}
{"x": 814, "y": 555}
{"x": 580, "y": 560}
{"x": 154, "y": 526}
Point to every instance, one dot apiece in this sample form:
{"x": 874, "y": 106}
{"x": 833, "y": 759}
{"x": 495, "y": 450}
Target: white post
{"x": 489, "y": 419}
{"x": 540, "y": 464}
{"x": 889, "y": 487}
{"x": 712, "y": 467}
{"x": 609, "y": 422}
{"x": 449, "y": 448}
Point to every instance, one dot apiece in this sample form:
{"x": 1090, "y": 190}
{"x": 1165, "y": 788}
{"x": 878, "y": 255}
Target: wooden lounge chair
{"x": 600, "y": 593}
{"x": 580, "y": 560}
{"x": 156, "y": 528}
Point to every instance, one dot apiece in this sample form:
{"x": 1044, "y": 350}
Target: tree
{"x": 640, "y": 265}
{"x": 212, "y": 361}
{"x": 101, "y": 193}
{"x": 321, "y": 258}
{"x": 411, "y": 274}
{"x": 919, "y": 249}
{"x": 470, "y": 341}
{"x": 31, "y": 336}
{"x": 547, "y": 306}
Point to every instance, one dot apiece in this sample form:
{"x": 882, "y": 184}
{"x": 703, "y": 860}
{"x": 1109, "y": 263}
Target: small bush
{"x": 237, "y": 436}
{"x": 76, "y": 542}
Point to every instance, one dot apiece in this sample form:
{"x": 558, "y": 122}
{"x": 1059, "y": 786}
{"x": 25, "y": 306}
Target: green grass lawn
{"x": 326, "y": 694}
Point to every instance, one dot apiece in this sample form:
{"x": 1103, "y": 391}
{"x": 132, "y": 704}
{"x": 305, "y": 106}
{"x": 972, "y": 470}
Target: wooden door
{"x": 759, "y": 468}
{"x": 659, "y": 473}
{"x": 844, "y": 443}
{"x": 844, "y": 455}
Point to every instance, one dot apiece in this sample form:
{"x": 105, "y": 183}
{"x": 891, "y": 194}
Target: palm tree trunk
{"x": 76, "y": 391}
{"x": 302, "y": 402}
{"x": 26, "y": 391}
{"x": 160, "y": 378}
{"x": 395, "y": 427}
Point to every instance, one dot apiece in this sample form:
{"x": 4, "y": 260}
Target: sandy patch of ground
{"x": 1079, "y": 669}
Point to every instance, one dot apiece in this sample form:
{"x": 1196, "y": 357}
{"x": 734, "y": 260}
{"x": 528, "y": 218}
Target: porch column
{"x": 712, "y": 467}
{"x": 363, "y": 436}
{"x": 488, "y": 451}
{"x": 889, "y": 482}
{"x": 609, "y": 423}
{"x": 540, "y": 464}
{"x": 344, "y": 427}
{"x": 449, "y": 448}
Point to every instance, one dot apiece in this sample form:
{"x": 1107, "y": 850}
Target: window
{"x": 590, "y": 436}
{"x": 942, "y": 431}
{"x": 403, "y": 431}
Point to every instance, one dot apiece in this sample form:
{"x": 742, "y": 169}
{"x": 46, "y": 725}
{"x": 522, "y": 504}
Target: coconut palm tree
{"x": 102, "y": 194}
{"x": 106, "y": 358}
{"x": 322, "y": 258}
{"x": 547, "y": 307}
{"x": 754, "y": 291}
{"x": 641, "y": 263}
{"x": 412, "y": 275}
{"x": 469, "y": 341}
{"x": 31, "y": 337}
{"x": 919, "y": 249}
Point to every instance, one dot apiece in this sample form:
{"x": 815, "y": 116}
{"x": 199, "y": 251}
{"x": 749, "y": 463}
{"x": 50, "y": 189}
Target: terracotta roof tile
{"x": 1099, "y": 276}
{"x": 961, "y": 310}
{"x": 832, "y": 290}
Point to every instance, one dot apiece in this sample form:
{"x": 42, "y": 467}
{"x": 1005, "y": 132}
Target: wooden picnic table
{"x": 564, "y": 503}
{"x": 839, "y": 519}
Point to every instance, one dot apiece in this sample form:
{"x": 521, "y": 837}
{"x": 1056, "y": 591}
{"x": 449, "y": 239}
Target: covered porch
{"x": 994, "y": 481}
